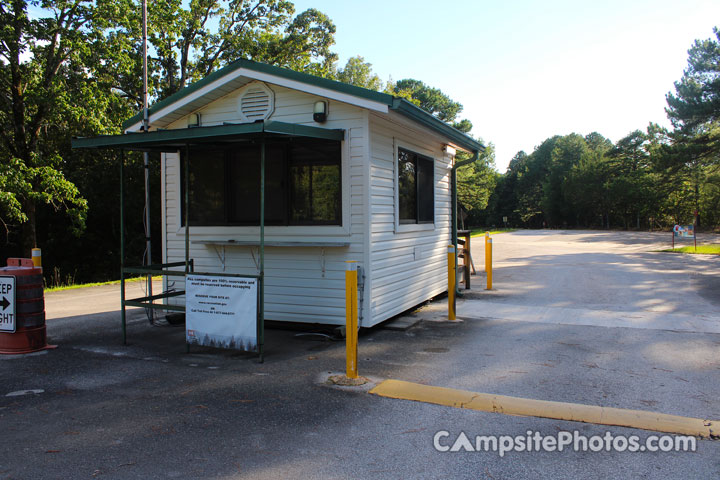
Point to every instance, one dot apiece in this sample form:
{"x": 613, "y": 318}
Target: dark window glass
{"x": 407, "y": 186}
{"x": 426, "y": 191}
{"x": 302, "y": 184}
{"x": 315, "y": 183}
{"x": 244, "y": 181}
{"x": 416, "y": 188}
{"x": 207, "y": 190}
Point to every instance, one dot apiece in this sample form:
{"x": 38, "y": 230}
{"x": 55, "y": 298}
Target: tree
{"x": 636, "y": 190}
{"x": 476, "y": 182}
{"x": 358, "y": 72}
{"x": 587, "y": 189}
{"x": 697, "y": 98}
{"x": 41, "y": 69}
{"x": 429, "y": 99}
{"x": 74, "y": 70}
{"x": 531, "y": 174}
{"x": 695, "y": 113}
{"x": 598, "y": 143}
{"x": 191, "y": 43}
{"x": 432, "y": 100}
{"x": 567, "y": 152}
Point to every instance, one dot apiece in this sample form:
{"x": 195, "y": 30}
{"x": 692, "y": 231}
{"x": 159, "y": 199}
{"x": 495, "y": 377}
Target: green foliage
{"x": 429, "y": 99}
{"x": 697, "y": 98}
{"x": 646, "y": 179}
{"x": 190, "y": 41}
{"x": 43, "y": 77}
{"x": 358, "y": 72}
{"x": 475, "y": 183}
{"x": 693, "y": 154}
{"x": 73, "y": 69}
{"x": 712, "y": 249}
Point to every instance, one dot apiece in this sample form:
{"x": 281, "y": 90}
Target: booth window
{"x": 302, "y": 184}
{"x": 416, "y": 187}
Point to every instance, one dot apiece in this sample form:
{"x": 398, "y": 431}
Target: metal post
{"x": 451, "y": 281}
{"x": 488, "y": 262}
{"x": 122, "y": 246}
{"x": 186, "y": 214}
{"x": 487, "y": 237}
{"x": 146, "y": 159}
{"x": 187, "y": 209}
{"x": 261, "y": 305}
{"x": 145, "y": 80}
{"x": 37, "y": 257}
{"x": 351, "y": 320}
{"x": 453, "y": 217}
{"x": 148, "y": 243}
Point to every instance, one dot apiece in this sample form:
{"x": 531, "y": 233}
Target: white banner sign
{"x": 221, "y": 311}
{"x": 7, "y": 304}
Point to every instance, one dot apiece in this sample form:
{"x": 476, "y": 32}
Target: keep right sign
{"x": 7, "y": 304}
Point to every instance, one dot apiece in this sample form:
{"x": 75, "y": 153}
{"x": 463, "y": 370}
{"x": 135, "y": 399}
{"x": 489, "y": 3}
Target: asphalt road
{"x": 586, "y": 317}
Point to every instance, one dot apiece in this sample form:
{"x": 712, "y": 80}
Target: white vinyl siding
{"x": 297, "y": 289}
{"x": 408, "y": 262}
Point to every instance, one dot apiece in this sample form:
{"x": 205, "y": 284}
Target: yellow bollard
{"x": 351, "y": 320}
{"x": 487, "y": 237}
{"x": 37, "y": 257}
{"x": 488, "y": 263}
{"x": 451, "y": 282}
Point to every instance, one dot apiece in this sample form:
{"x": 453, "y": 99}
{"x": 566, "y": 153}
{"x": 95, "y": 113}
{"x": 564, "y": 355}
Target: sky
{"x": 527, "y": 70}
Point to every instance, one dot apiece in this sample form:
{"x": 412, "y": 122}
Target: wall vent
{"x": 256, "y": 102}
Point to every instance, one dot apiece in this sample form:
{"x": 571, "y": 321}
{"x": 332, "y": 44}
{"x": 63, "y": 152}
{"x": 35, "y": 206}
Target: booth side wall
{"x": 408, "y": 263}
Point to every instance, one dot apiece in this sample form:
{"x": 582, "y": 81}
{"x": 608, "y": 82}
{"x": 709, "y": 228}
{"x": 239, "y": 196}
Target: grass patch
{"x": 97, "y": 284}
{"x": 478, "y": 232}
{"x": 712, "y": 249}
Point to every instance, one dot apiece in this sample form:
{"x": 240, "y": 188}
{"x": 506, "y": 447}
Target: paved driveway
{"x": 614, "y": 279}
{"x": 585, "y": 317}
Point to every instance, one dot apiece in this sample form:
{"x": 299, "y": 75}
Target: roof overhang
{"x": 176, "y": 139}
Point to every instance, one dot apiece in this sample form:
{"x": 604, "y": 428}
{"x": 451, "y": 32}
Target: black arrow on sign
{"x": 5, "y": 303}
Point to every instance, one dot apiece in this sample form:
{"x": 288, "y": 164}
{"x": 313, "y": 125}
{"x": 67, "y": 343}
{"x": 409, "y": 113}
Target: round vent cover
{"x": 256, "y": 102}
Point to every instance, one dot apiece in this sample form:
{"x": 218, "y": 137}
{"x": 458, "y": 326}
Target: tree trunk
{"x": 29, "y": 233}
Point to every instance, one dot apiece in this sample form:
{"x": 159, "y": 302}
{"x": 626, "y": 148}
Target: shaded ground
{"x": 150, "y": 410}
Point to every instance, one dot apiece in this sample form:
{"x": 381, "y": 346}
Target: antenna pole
{"x": 146, "y": 159}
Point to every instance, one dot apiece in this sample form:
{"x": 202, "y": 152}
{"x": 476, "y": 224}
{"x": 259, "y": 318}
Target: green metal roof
{"x": 399, "y": 105}
{"x": 178, "y": 138}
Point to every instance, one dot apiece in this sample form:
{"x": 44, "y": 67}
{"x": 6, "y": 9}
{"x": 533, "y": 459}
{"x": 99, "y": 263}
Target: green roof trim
{"x": 397, "y": 104}
{"x": 416, "y": 113}
{"x": 176, "y": 138}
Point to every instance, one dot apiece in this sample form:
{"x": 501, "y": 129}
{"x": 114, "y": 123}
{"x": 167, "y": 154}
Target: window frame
{"x": 408, "y": 225}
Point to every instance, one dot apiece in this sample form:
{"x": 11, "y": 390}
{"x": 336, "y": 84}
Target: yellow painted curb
{"x": 575, "y": 412}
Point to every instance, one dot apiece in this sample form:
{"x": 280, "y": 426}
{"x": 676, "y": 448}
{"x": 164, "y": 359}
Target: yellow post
{"x": 487, "y": 237}
{"x": 37, "y": 257}
{"x": 451, "y": 282}
{"x": 488, "y": 263}
{"x": 351, "y": 320}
